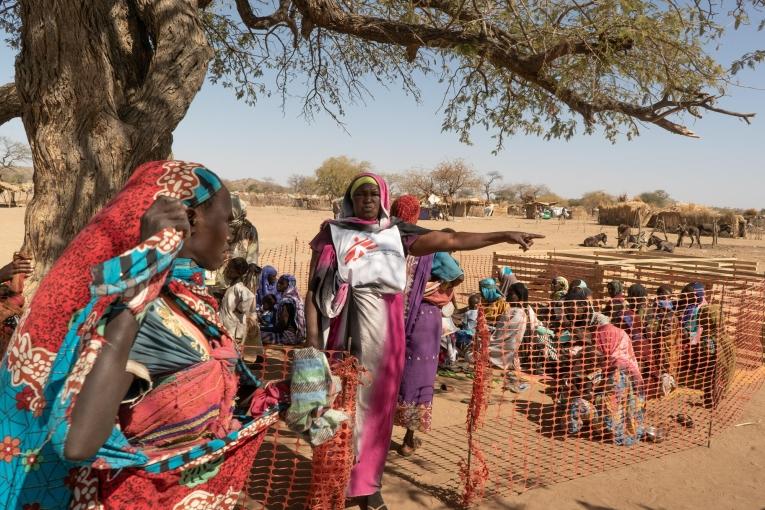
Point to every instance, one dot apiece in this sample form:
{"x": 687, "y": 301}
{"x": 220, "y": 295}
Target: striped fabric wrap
{"x": 313, "y": 390}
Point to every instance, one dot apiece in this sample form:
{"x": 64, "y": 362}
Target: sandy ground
{"x": 729, "y": 475}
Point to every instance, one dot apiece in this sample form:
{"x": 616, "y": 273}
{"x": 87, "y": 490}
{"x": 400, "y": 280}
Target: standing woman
{"x": 428, "y": 288}
{"x": 355, "y": 302}
{"x": 102, "y": 404}
{"x": 432, "y": 289}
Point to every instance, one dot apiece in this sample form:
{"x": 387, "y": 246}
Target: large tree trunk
{"x": 102, "y": 85}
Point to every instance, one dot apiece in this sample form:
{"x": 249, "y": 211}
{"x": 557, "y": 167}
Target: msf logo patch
{"x": 359, "y": 248}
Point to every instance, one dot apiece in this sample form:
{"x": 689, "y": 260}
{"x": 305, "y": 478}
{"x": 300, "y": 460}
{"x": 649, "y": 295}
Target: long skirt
{"x": 376, "y": 328}
{"x": 415, "y": 396}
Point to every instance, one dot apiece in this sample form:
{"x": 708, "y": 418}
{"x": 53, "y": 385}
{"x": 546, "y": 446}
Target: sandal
{"x": 375, "y": 502}
{"x": 406, "y": 451}
{"x": 518, "y": 387}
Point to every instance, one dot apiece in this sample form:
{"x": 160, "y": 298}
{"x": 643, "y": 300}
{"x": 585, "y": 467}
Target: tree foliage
{"x": 594, "y": 199}
{"x": 302, "y": 184}
{"x": 11, "y": 154}
{"x": 334, "y": 174}
{"x": 454, "y": 177}
{"x": 547, "y": 68}
{"x": 491, "y": 183}
{"x": 658, "y": 198}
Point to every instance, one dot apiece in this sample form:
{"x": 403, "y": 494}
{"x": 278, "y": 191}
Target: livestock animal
{"x": 661, "y": 244}
{"x": 623, "y": 234}
{"x": 627, "y": 240}
{"x": 707, "y": 229}
{"x": 596, "y": 241}
{"x": 690, "y": 231}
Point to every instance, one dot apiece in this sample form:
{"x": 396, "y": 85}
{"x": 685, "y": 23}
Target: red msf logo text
{"x": 359, "y": 248}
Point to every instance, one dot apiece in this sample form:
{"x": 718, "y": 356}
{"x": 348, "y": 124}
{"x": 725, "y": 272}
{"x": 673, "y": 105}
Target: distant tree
{"x": 530, "y": 192}
{"x": 302, "y": 184}
{"x": 491, "y": 183}
{"x": 11, "y": 154}
{"x": 658, "y": 198}
{"x": 551, "y": 197}
{"x": 334, "y": 174}
{"x": 454, "y": 177}
{"x": 419, "y": 183}
{"x": 762, "y": 212}
{"x": 507, "y": 193}
{"x": 594, "y": 199}
{"x": 750, "y": 213}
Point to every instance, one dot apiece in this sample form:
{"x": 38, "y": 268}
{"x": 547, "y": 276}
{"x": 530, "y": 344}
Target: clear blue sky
{"x": 725, "y": 168}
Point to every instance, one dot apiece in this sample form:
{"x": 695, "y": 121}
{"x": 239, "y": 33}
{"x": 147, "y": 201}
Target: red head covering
{"x": 406, "y": 208}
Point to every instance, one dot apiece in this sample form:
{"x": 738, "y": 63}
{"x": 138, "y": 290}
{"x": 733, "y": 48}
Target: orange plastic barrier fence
{"x": 549, "y": 394}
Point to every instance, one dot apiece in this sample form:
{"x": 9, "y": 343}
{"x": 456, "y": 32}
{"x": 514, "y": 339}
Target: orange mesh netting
{"x": 288, "y": 472}
{"x": 560, "y": 408}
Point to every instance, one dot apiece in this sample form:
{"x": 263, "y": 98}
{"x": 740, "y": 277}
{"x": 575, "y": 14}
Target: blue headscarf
{"x": 265, "y": 287}
{"x": 489, "y": 290}
{"x": 445, "y": 268}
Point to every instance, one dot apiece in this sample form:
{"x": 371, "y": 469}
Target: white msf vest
{"x": 370, "y": 259}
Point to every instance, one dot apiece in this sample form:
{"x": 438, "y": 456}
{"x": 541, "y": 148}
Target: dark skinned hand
{"x": 523, "y": 239}
{"x": 20, "y": 265}
{"x": 164, "y": 212}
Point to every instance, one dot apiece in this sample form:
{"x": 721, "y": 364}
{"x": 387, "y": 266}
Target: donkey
{"x": 688, "y": 230}
{"x": 661, "y": 244}
{"x": 596, "y": 241}
{"x": 623, "y": 235}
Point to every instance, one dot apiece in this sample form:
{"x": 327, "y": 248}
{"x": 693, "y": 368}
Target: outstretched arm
{"x": 463, "y": 241}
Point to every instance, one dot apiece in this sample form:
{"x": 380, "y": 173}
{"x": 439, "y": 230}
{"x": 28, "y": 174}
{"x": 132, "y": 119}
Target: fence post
{"x": 294, "y": 257}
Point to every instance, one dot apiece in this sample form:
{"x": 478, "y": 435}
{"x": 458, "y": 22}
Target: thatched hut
{"x": 463, "y": 207}
{"x": 14, "y": 195}
{"x": 535, "y": 209}
{"x": 683, "y": 214}
{"x": 514, "y": 210}
{"x": 633, "y": 213}
{"x": 729, "y": 224}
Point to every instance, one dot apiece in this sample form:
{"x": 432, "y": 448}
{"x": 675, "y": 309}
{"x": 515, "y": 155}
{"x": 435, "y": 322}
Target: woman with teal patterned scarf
{"x": 119, "y": 385}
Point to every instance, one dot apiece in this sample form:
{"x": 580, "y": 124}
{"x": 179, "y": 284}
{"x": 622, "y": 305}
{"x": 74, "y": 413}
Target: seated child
{"x": 469, "y": 323}
{"x": 268, "y": 313}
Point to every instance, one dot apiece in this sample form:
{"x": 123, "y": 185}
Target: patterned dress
{"x": 173, "y": 447}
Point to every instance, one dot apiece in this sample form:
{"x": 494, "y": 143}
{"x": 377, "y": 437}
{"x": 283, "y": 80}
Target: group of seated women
{"x": 272, "y": 313}
{"x": 604, "y": 358}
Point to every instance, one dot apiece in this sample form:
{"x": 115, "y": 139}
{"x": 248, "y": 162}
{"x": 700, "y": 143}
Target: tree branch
{"x": 570, "y": 47}
{"x": 279, "y": 17}
{"x": 10, "y": 103}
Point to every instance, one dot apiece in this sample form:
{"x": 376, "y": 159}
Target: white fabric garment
{"x": 370, "y": 259}
{"x": 238, "y": 302}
